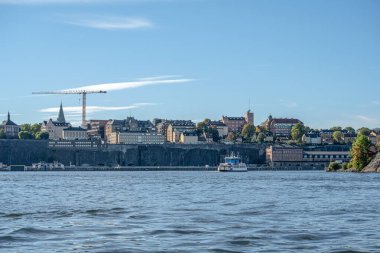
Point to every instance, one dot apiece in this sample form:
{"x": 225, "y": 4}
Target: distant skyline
{"x": 316, "y": 60}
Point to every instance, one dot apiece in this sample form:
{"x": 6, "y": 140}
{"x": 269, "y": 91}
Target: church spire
{"x": 9, "y": 116}
{"x": 61, "y": 115}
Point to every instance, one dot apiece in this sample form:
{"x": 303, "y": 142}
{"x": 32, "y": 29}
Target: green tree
{"x": 298, "y": 130}
{"x": 214, "y": 133}
{"x": 338, "y": 136}
{"x": 350, "y": 130}
{"x": 35, "y": 129}
{"x": 260, "y": 137}
{"x": 360, "y": 152}
{"x": 2, "y": 134}
{"x": 248, "y": 131}
{"x": 26, "y": 128}
{"x": 364, "y": 131}
{"x": 42, "y": 135}
{"x": 336, "y": 128}
{"x": 24, "y": 135}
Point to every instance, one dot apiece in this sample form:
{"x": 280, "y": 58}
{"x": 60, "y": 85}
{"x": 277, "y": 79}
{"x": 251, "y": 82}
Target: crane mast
{"x": 80, "y": 92}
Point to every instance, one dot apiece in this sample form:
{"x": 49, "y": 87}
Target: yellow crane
{"x": 70, "y": 92}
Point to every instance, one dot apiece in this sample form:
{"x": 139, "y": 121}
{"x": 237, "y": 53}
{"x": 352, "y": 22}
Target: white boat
{"x": 232, "y": 163}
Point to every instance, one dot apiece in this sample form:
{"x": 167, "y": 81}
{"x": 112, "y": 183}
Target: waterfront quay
{"x": 262, "y": 167}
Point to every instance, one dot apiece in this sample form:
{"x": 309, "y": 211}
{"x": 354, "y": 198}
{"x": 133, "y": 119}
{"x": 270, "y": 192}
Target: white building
{"x": 312, "y": 139}
{"x": 220, "y": 127}
{"x": 189, "y": 138}
{"x": 55, "y": 128}
{"x": 176, "y": 128}
{"x": 74, "y": 133}
{"x": 136, "y": 138}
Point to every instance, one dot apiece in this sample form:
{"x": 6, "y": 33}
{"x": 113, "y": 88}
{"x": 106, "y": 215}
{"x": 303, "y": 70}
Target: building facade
{"x": 176, "y": 127}
{"x": 189, "y": 138}
{"x": 96, "y": 129}
{"x": 220, "y": 127}
{"x": 280, "y": 127}
{"x": 249, "y": 118}
{"x": 137, "y": 138}
{"x": 10, "y": 128}
{"x": 74, "y": 133}
{"x": 278, "y": 154}
{"x": 129, "y": 124}
{"x": 234, "y": 124}
{"x": 312, "y": 138}
{"x": 55, "y": 128}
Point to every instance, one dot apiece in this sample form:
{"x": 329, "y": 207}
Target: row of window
{"x": 325, "y": 156}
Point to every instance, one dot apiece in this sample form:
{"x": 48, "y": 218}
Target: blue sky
{"x": 318, "y": 61}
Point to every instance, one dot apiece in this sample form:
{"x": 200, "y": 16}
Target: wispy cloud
{"x": 50, "y": 2}
{"x": 375, "y": 103}
{"x": 110, "y": 22}
{"x": 130, "y": 85}
{"x": 77, "y": 110}
{"x": 364, "y": 119}
{"x": 290, "y": 104}
{"x": 12, "y": 114}
{"x": 34, "y": 2}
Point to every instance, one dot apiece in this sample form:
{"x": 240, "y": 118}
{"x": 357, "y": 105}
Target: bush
{"x": 334, "y": 166}
{"x": 345, "y": 166}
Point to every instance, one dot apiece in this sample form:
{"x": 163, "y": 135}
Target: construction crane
{"x": 70, "y": 92}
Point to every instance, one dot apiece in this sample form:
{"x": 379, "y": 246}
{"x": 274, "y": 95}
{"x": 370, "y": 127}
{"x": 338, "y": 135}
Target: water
{"x": 189, "y": 212}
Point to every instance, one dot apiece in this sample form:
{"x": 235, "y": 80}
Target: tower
{"x": 61, "y": 115}
{"x": 249, "y": 117}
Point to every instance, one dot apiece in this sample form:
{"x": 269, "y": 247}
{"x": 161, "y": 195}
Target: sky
{"x": 316, "y": 60}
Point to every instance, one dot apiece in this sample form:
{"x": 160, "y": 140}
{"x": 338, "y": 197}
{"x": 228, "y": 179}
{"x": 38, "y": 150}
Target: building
{"x": 326, "y": 154}
{"x": 96, "y": 129}
{"x": 129, "y": 124}
{"x": 111, "y": 127}
{"x": 234, "y": 124}
{"x": 189, "y": 137}
{"x": 268, "y": 137}
{"x": 278, "y": 155}
{"x": 312, "y": 138}
{"x": 249, "y": 118}
{"x": 349, "y": 138}
{"x": 74, "y": 144}
{"x": 74, "y": 133}
{"x": 136, "y": 138}
{"x": 10, "y": 128}
{"x": 176, "y": 127}
{"x": 315, "y": 156}
{"x": 162, "y": 125}
{"x": 280, "y": 127}
{"x": 220, "y": 127}
{"x": 55, "y": 128}
{"x": 374, "y": 137}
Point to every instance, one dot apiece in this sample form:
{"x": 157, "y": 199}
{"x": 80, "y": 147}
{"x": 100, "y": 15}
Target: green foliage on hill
{"x": 360, "y": 152}
{"x": 298, "y": 130}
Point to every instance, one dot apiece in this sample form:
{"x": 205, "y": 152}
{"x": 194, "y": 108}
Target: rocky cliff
{"x": 27, "y": 152}
{"x": 374, "y": 165}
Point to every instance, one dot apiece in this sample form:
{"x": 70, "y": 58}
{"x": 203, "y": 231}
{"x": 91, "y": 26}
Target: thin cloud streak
{"x": 37, "y": 2}
{"x": 77, "y": 2}
{"x": 364, "y": 119}
{"x": 130, "y": 85}
{"x": 112, "y": 23}
{"x": 92, "y": 109}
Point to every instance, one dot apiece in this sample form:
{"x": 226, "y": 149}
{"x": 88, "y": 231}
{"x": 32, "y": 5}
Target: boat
{"x": 232, "y": 163}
